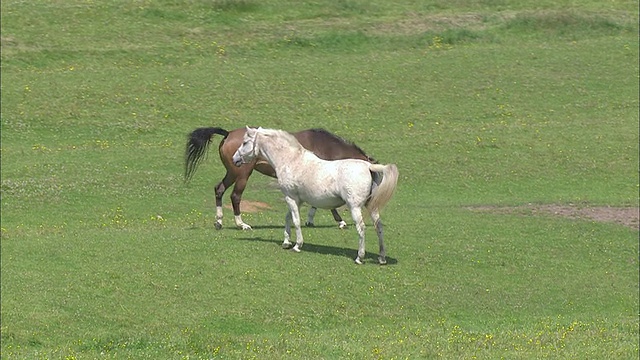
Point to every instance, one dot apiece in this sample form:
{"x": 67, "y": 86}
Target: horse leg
{"x": 334, "y": 212}
{"x": 312, "y": 213}
{"x": 294, "y": 214}
{"x": 338, "y": 219}
{"x": 382, "y": 258}
{"x": 356, "y": 214}
{"x": 222, "y": 186}
{"x": 236, "y": 196}
{"x": 286, "y": 244}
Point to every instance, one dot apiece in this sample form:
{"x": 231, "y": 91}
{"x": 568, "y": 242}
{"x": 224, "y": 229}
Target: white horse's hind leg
{"x": 356, "y": 214}
{"x": 310, "y": 216}
{"x": 286, "y": 244}
{"x": 295, "y": 216}
{"x": 382, "y": 258}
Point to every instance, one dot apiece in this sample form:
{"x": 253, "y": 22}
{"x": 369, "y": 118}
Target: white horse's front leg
{"x": 356, "y": 214}
{"x": 286, "y": 244}
{"x": 295, "y": 216}
{"x": 310, "y": 216}
{"x": 382, "y": 258}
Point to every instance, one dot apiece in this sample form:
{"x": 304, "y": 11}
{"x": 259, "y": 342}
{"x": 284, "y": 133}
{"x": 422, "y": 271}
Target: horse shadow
{"x": 327, "y": 250}
{"x": 259, "y": 227}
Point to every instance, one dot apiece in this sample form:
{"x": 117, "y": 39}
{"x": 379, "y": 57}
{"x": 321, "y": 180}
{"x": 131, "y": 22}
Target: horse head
{"x": 249, "y": 149}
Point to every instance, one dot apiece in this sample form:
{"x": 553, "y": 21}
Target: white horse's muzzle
{"x": 237, "y": 159}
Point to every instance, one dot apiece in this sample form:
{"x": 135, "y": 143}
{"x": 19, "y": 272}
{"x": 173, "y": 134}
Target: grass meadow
{"x": 107, "y": 254}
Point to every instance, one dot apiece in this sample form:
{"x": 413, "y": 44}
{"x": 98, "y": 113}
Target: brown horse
{"x": 324, "y": 144}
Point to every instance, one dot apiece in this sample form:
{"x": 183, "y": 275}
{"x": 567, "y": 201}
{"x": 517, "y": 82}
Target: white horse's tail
{"x": 382, "y": 193}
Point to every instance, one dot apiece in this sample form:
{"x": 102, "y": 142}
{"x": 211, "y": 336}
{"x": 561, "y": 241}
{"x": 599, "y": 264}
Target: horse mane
{"x": 343, "y": 141}
{"x": 290, "y": 138}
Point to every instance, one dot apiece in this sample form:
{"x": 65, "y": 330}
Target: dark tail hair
{"x": 197, "y": 145}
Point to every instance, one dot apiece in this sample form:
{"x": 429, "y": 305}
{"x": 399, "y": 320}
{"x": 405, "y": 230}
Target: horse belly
{"x": 321, "y": 198}
{"x": 325, "y": 203}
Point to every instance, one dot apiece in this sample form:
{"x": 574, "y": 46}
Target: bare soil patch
{"x": 627, "y": 216}
{"x": 251, "y": 206}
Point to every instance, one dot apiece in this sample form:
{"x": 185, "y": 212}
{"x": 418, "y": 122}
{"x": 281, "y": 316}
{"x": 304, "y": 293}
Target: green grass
{"x": 106, "y": 253}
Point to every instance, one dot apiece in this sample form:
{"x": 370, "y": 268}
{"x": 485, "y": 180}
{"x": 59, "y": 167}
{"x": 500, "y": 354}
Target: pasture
{"x": 483, "y": 105}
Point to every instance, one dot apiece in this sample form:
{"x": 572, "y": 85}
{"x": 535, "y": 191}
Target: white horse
{"x": 305, "y": 178}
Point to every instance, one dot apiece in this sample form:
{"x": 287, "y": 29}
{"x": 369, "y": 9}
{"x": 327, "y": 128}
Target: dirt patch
{"x": 627, "y": 216}
{"x": 250, "y": 206}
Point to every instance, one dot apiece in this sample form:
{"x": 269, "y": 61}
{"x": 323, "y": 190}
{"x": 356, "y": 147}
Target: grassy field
{"x": 107, "y": 254}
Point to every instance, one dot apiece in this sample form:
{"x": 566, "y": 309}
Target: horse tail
{"x": 197, "y": 145}
{"x": 381, "y": 194}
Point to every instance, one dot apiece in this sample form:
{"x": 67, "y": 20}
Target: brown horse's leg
{"x": 312, "y": 212}
{"x": 341, "y": 223}
{"x": 223, "y": 185}
{"x": 236, "y": 197}
{"x": 237, "y": 175}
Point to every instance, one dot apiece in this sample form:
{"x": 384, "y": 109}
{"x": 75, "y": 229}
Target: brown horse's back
{"x": 328, "y": 146}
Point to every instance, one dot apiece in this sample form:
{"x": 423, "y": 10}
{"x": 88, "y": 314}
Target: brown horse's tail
{"x": 197, "y": 145}
{"x": 382, "y": 193}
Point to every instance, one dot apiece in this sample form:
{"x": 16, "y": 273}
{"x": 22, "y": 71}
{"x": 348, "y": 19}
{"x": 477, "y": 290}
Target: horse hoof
{"x": 296, "y": 248}
{"x": 382, "y": 261}
{"x": 309, "y": 224}
{"x": 245, "y": 227}
{"x": 218, "y": 226}
{"x": 342, "y": 225}
{"x": 286, "y": 245}
{"x": 358, "y": 261}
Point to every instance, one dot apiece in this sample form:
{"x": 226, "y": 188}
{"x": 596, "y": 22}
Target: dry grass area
{"x": 250, "y": 206}
{"x": 627, "y": 216}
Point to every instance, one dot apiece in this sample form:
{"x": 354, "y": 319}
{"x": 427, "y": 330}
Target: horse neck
{"x": 279, "y": 152}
